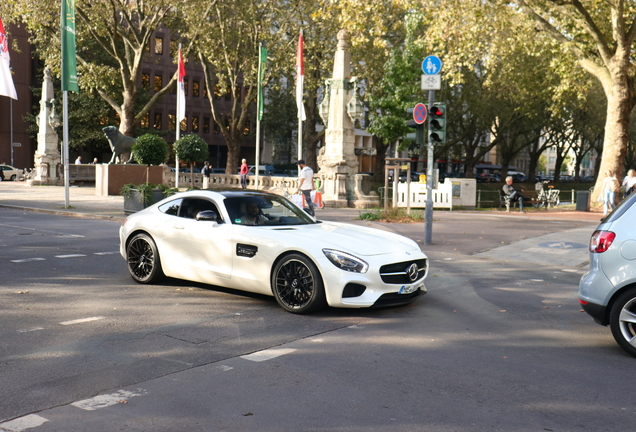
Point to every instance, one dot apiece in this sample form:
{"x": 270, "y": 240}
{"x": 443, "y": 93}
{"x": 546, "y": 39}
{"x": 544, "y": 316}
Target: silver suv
{"x": 607, "y": 291}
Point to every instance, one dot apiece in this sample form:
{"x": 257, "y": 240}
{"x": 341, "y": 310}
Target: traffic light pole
{"x": 428, "y": 225}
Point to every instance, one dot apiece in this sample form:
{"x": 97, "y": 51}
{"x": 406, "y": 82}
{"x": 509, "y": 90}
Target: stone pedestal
{"x": 337, "y": 160}
{"x": 109, "y": 179}
{"x": 47, "y": 157}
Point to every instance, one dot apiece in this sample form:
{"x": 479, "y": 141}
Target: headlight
{"x": 346, "y": 261}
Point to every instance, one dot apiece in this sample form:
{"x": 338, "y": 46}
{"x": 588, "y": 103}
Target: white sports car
{"x": 263, "y": 243}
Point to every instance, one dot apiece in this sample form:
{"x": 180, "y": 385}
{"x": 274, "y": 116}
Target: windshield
{"x": 265, "y": 210}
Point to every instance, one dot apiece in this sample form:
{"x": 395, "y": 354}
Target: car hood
{"x": 361, "y": 241}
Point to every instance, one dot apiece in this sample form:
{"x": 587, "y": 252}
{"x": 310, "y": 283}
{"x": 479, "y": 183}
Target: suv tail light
{"x": 601, "y": 241}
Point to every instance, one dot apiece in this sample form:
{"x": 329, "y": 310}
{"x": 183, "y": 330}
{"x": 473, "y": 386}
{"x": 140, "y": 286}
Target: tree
{"x": 112, "y": 38}
{"x": 150, "y": 149}
{"x": 190, "y": 149}
{"x": 228, "y": 49}
{"x": 600, "y": 35}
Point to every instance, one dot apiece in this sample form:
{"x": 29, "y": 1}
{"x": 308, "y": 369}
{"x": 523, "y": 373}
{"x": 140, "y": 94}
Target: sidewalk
{"x": 552, "y": 237}
{"x": 83, "y": 202}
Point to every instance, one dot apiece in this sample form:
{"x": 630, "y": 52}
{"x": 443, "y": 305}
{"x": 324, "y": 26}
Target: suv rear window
{"x": 620, "y": 210}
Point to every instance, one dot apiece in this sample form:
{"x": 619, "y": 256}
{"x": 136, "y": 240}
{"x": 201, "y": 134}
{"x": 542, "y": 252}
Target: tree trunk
{"x": 380, "y": 162}
{"x": 619, "y": 106}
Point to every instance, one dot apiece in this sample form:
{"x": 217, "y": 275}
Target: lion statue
{"x": 120, "y": 144}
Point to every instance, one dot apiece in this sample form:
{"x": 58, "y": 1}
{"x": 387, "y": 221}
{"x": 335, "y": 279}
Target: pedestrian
{"x": 206, "y": 174}
{"x": 513, "y": 194}
{"x": 243, "y": 172}
{"x": 629, "y": 182}
{"x": 95, "y": 161}
{"x": 78, "y": 161}
{"x": 306, "y": 184}
{"x": 610, "y": 187}
{"x": 1, "y": 175}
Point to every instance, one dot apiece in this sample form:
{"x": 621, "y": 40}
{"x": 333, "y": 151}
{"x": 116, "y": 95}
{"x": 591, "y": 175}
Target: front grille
{"x": 396, "y": 273}
{"x": 395, "y": 299}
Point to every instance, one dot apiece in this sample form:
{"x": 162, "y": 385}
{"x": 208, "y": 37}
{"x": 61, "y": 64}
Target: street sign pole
{"x": 428, "y": 215}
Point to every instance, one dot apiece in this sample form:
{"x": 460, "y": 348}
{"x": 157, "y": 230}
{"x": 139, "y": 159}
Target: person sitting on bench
{"x": 513, "y": 194}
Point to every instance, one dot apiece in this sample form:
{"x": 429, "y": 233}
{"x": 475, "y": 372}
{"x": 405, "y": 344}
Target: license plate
{"x": 408, "y": 289}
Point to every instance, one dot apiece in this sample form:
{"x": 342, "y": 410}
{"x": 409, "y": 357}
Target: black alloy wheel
{"x": 297, "y": 285}
{"x": 143, "y": 259}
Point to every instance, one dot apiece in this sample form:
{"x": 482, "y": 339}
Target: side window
{"x": 192, "y": 206}
{"x": 171, "y": 207}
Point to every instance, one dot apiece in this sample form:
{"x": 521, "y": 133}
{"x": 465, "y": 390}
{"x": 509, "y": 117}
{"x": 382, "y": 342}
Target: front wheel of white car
{"x": 297, "y": 285}
{"x": 143, "y": 259}
{"x": 623, "y": 321}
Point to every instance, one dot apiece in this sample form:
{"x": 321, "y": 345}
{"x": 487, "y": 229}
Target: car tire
{"x": 297, "y": 285}
{"x": 623, "y": 321}
{"x": 12, "y": 177}
{"x": 143, "y": 260}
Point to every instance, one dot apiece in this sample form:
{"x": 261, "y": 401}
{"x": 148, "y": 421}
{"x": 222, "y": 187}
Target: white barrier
{"x": 452, "y": 192}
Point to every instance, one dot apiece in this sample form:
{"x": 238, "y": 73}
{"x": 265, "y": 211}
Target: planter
{"x": 134, "y": 202}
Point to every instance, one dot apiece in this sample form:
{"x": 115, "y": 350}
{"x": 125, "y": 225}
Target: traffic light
{"x": 437, "y": 119}
{"x": 418, "y": 136}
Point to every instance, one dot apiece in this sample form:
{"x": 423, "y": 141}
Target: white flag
{"x": 300, "y": 77}
{"x": 6, "y": 80}
{"x": 181, "y": 101}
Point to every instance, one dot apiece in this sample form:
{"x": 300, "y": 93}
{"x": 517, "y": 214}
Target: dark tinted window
{"x": 191, "y": 206}
{"x": 171, "y": 207}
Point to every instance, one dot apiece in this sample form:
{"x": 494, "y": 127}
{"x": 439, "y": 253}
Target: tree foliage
{"x": 150, "y": 149}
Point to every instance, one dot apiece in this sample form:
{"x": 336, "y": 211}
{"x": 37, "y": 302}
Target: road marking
{"x": 70, "y": 256}
{"x": 43, "y": 231}
{"x": 536, "y": 280}
{"x": 30, "y": 330}
{"x": 105, "y": 253}
{"x": 22, "y": 423}
{"x": 28, "y": 260}
{"x": 224, "y": 368}
{"x": 103, "y": 401}
{"x": 267, "y": 354}
{"x": 82, "y": 320}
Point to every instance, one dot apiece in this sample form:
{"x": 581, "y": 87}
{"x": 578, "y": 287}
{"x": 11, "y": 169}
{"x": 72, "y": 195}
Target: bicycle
{"x": 546, "y": 197}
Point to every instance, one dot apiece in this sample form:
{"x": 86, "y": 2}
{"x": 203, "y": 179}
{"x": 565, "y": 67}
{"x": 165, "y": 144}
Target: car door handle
{"x": 175, "y": 226}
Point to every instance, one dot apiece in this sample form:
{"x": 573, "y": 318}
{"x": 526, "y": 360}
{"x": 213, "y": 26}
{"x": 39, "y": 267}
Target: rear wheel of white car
{"x": 297, "y": 285}
{"x": 12, "y": 177}
{"x": 143, "y": 259}
{"x": 623, "y": 321}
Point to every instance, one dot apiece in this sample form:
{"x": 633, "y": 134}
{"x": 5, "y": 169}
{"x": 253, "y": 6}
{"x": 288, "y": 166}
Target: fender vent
{"x": 245, "y": 250}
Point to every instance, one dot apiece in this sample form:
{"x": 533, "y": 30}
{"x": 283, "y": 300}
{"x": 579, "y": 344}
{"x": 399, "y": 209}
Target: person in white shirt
{"x": 629, "y": 182}
{"x": 306, "y": 184}
{"x": 78, "y": 161}
{"x": 610, "y": 187}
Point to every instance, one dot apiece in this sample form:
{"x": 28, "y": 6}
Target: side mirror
{"x": 207, "y": 215}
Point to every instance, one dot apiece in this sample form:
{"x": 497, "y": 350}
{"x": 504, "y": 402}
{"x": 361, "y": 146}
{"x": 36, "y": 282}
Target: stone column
{"x": 337, "y": 160}
{"x": 47, "y": 157}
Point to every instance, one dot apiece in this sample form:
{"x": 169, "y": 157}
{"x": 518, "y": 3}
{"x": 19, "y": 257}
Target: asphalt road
{"x": 496, "y": 344}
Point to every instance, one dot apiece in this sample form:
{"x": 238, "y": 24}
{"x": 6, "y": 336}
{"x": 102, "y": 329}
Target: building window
{"x": 158, "y": 83}
{"x": 195, "y": 88}
{"x": 216, "y": 128}
{"x": 227, "y": 124}
{"x": 172, "y": 122}
{"x": 158, "y": 45}
{"x": 228, "y": 95}
{"x": 145, "y": 120}
{"x": 185, "y": 86}
{"x": 246, "y": 130}
{"x": 205, "y": 92}
{"x": 158, "y": 121}
{"x": 195, "y": 124}
{"x": 552, "y": 160}
{"x": 145, "y": 81}
{"x": 174, "y": 48}
{"x": 206, "y": 125}
{"x": 184, "y": 124}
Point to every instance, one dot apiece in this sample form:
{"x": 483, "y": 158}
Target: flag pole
{"x": 257, "y": 158}
{"x": 299, "y": 93}
{"x": 180, "y": 108}
{"x": 65, "y": 149}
